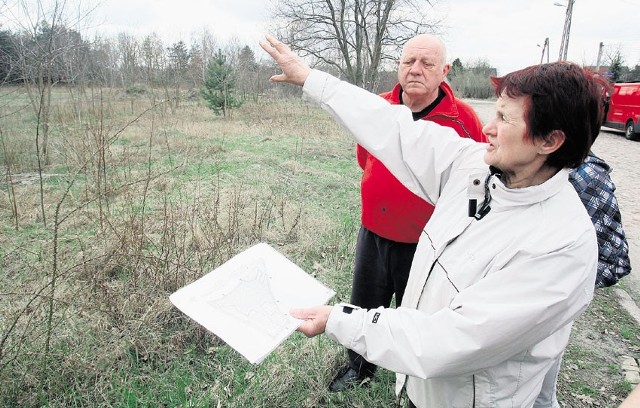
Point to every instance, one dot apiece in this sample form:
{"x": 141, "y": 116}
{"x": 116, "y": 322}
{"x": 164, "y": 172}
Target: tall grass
{"x": 143, "y": 202}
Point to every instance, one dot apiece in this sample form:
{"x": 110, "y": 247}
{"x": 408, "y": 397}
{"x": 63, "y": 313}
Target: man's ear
{"x": 446, "y": 69}
{"x": 551, "y": 142}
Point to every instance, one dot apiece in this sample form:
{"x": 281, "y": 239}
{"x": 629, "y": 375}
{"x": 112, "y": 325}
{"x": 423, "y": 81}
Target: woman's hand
{"x": 294, "y": 69}
{"x": 315, "y": 319}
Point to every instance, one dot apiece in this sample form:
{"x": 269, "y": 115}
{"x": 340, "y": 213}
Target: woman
{"x": 508, "y": 259}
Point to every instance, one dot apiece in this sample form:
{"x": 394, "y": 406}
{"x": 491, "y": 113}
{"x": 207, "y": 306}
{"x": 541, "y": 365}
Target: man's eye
{"x": 429, "y": 66}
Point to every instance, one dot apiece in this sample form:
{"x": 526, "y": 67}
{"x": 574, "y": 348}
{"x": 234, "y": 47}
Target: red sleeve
{"x": 361, "y": 154}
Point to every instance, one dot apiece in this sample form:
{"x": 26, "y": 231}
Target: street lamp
{"x": 564, "y": 44}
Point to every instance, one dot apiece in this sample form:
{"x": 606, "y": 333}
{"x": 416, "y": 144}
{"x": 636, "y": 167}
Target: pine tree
{"x": 219, "y": 86}
{"x": 456, "y": 68}
{"x": 247, "y": 59}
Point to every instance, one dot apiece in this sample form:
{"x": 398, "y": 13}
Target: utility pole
{"x": 545, "y": 48}
{"x": 564, "y": 44}
{"x": 599, "y": 56}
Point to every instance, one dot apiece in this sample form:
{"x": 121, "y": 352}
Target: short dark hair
{"x": 560, "y": 96}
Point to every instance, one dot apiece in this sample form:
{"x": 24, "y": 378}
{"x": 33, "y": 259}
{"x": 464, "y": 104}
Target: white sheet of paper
{"x": 246, "y": 300}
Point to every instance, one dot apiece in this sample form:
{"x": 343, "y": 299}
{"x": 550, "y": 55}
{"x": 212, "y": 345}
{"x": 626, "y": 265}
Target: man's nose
{"x": 415, "y": 67}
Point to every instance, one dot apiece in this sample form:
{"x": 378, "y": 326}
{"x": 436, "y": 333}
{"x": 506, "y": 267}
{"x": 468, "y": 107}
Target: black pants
{"x": 381, "y": 270}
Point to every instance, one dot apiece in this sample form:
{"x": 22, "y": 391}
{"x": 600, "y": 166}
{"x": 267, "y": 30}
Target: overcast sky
{"x": 508, "y": 34}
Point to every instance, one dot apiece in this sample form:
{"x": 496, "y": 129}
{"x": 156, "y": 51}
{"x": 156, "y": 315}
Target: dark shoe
{"x": 347, "y": 379}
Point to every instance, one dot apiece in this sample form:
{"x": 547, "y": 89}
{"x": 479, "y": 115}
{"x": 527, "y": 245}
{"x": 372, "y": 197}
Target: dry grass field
{"x": 139, "y": 198}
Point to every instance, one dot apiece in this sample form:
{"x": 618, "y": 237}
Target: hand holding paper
{"x": 315, "y": 319}
{"x": 246, "y": 300}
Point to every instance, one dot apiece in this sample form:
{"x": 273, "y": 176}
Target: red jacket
{"x": 388, "y": 208}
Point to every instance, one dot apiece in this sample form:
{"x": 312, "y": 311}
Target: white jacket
{"x": 489, "y": 303}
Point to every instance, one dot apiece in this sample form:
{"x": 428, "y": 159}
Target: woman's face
{"x": 508, "y": 150}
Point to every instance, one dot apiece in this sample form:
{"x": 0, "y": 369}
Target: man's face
{"x": 421, "y": 70}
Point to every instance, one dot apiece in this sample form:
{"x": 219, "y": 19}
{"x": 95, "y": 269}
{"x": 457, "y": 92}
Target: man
{"x": 392, "y": 216}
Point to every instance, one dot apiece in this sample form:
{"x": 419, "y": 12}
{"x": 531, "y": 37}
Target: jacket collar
{"x": 446, "y": 107}
{"x": 503, "y": 198}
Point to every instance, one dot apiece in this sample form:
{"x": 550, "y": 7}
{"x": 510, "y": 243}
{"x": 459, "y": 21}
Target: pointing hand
{"x": 294, "y": 69}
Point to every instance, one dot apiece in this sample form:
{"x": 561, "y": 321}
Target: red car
{"x": 623, "y": 110}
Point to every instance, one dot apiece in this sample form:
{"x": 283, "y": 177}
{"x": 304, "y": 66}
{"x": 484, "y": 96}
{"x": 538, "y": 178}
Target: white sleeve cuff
{"x": 345, "y": 323}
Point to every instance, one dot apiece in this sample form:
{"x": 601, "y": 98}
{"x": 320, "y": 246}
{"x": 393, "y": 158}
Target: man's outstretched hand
{"x": 294, "y": 69}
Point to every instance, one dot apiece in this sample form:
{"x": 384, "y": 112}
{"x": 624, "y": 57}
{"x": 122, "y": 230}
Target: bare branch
{"x": 352, "y": 37}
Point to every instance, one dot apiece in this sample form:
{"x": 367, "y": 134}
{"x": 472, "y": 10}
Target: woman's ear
{"x": 551, "y": 142}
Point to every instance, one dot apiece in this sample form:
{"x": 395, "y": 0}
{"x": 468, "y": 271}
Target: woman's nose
{"x": 489, "y": 128}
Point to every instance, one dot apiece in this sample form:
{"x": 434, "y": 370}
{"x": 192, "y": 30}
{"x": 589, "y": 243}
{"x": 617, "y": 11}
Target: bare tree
{"x": 152, "y": 59}
{"x": 178, "y": 57}
{"x": 195, "y": 62}
{"x": 615, "y": 60}
{"x": 129, "y": 54}
{"x": 353, "y": 37}
{"x": 247, "y": 74}
{"x": 103, "y": 64}
{"x": 207, "y": 44}
{"x": 9, "y": 57}
{"x": 50, "y": 50}
{"x": 37, "y": 55}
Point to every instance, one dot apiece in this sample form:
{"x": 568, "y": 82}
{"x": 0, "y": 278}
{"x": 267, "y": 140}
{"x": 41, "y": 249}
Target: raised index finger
{"x": 273, "y": 46}
{"x": 268, "y": 47}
